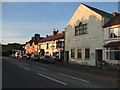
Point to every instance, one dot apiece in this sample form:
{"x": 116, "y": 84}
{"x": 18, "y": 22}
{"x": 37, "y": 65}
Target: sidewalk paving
{"x": 107, "y": 73}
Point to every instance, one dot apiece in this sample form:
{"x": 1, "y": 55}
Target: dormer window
{"x": 81, "y": 29}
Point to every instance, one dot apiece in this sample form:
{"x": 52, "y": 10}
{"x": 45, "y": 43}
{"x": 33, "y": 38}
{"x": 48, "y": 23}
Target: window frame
{"x": 72, "y": 53}
{"x": 79, "y": 54}
{"x": 81, "y": 29}
{"x": 113, "y": 30}
{"x": 112, "y": 52}
{"x": 47, "y": 46}
{"x": 87, "y": 53}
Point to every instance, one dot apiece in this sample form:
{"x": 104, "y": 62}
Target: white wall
{"x": 94, "y": 38}
{"x": 50, "y": 43}
{"x": 108, "y": 40}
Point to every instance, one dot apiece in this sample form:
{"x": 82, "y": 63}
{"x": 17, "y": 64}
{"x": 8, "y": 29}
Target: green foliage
{"x": 8, "y": 49}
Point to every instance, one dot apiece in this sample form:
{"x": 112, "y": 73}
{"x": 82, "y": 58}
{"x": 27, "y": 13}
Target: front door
{"x": 98, "y": 56}
{"x": 67, "y": 56}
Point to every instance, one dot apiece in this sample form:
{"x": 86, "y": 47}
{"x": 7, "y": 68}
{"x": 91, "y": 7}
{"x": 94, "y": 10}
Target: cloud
{"x": 18, "y": 31}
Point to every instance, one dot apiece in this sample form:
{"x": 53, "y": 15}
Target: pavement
{"x": 108, "y": 73}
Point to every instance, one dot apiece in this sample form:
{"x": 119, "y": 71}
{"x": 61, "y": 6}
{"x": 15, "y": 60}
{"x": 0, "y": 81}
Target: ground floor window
{"x": 72, "y": 53}
{"x": 87, "y": 53}
{"x": 79, "y": 53}
{"x": 113, "y": 54}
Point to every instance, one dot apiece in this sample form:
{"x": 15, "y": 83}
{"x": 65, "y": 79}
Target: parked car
{"x": 20, "y": 55}
{"x": 12, "y": 55}
{"x": 35, "y": 57}
{"x": 47, "y": 59}
{"x": 16, "y": 54}
{"x": 27, "y": 56}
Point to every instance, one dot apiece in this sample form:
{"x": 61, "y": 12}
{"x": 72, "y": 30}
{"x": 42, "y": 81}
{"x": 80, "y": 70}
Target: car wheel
{"x": 44, "y": 61}
{"x": 41, "y": 61}
{"x": 48, "y": 62}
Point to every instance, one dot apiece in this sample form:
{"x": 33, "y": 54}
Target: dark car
{"x": 27, "y": 56}
{"x": 35, "y": 57}
{"x": 47, "y": 59}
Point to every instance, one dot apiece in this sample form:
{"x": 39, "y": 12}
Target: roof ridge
{"x": 94, "y": 9}
{"x": 55, "y": 35}
{"x": 59, "y": 33}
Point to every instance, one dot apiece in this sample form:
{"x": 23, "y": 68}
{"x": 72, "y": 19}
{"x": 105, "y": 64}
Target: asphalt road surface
{"x": 19, "y": 73}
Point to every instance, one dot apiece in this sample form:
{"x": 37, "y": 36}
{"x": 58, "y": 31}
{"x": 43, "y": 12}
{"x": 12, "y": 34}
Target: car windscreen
{"x": 47, "y": 57}
{"x": 37, "y": 56}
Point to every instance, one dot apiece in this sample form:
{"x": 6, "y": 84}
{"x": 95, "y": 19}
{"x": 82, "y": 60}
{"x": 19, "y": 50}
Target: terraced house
{"x": 84, "y": 36}
{"x": 112, "y": 40}
{"x": 32, "y": 45}
{"x": 53, "y": 45}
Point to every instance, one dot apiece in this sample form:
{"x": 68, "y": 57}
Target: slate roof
{"x": 103, "y": 13}
{"x": 52, "y": 37}
{"x": 35, "y": 41}
{"x": 114, "y": 21}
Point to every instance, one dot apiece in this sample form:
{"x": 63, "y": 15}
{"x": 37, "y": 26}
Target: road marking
{"x": 23, "y": 67}
{"x": 73, "y": 77}
{"x": 25, "y": 63}
{"x": 52, "y": 79}
{"x": 12, "y": 62}
{"x": 40, "y": 68}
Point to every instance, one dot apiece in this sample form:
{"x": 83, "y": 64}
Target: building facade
{"x": 53, "y": 45}
{"x": 112, "y": 40}
{"x": 32, "y": 45}
{"x": 84, "y": 38}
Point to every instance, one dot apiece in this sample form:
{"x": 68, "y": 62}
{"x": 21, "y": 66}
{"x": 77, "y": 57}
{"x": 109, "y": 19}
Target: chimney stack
{"x": 63, "y": 32}
{"x": 54, "y": 32}
{"x": 115, "y": 14}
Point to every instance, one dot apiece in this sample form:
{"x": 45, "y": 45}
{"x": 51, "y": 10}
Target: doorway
{"x": 98, "y": 56}
{"x": 67, "y": 56}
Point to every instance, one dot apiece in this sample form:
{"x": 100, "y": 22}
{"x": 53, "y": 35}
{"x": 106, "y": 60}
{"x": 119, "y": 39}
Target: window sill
{"x": 87, "y": 59}
{"x": 79, "y": 58}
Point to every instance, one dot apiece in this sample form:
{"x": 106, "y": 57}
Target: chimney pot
{"x": 54, "y": 32}
{"x": 115, "y": 14}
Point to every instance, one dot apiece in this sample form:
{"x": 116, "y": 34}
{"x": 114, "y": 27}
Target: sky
{"x": 21, "y": 20}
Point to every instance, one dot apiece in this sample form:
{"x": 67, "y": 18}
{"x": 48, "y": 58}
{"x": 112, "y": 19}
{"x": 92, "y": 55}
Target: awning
{"x": 113, "y": 44}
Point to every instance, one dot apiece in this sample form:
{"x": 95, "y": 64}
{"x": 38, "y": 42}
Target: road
{"x": 19, "y": 73}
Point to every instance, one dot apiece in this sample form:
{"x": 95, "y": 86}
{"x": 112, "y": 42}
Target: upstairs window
{"x": 81, "y": 29}
{"x": 60, "y": 44}
{"x": 114, "y": 32}
{"x": 47, "y": 46}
